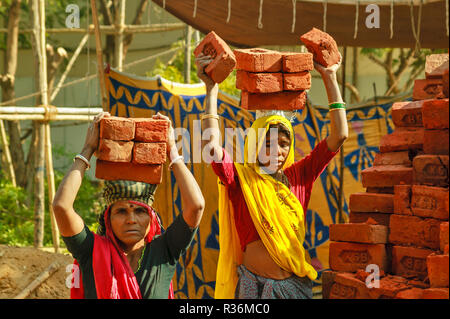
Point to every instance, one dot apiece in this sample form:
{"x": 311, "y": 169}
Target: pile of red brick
{"x": 401, "y": 223}
{"x": 132, "y": 149}
{"x": 273, "y": 80}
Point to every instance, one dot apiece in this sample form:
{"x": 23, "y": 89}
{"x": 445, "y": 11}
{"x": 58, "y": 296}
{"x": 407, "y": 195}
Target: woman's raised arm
{"x": 69, "y": 222}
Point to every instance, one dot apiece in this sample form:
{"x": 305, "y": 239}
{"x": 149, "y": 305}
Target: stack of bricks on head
{"x": 132, "y": 149}
{"x": 401, "y": 223}
{"x": 271, "y": 80}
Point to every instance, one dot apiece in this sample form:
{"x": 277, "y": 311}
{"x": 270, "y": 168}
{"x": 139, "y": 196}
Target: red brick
{"x": 389, "y": 288}
{"x": 445, "y": 83}
{"x": 435, "y": 293}
{"x": 371, "y": 202}
{"x": 327, "y": 278}
{"x": 151, "y": 174}
{"x": 436, "y": 65}
{"x": 380, "y": 218}
{"x": 259, "y": 82}
{"x": 427, "y": 89}
{"x": 274, "y": 101}
{"x": 413, "y": 230}
{"x": 359, "y": 233}
{"x": 402, "y": 139}
{"x": 392, "y": 158}
{"x": 443, "y": 236}
{"x": 413, "y": 293}
{"x": 407, "y": 113}
{"x": 435, "y": 114}
{"x": 224, "y": 60}
{"x": 114, "y": 151}
{"x": 428, "y": 201}
{"x": 297, "y": 81}
{"x": 402, "y": 199}
{"x": 117, "y": 128}
{"x": 345, "y": 256}
{"x": 322, "y": 46}
{"x": 431, "y": 170}
{"x": 438, "y": 270}
{"x": 347, "y": 286}
{"x": 258, "y": 60}
{"x": 294, "y": 62}
{"x": 436, "y": 142}
{"x": 380, "y": 190}
{"x": 149, "y": 153}
{"x": 151, "y": 131}
{"x": 386, "y": 176}
{"x": 410, "y": 261}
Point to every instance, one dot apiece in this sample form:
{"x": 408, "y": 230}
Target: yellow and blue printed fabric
{"x": 132, "y": 96}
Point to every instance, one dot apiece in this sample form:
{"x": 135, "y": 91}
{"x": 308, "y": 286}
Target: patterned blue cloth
{"x": 251, "y": 286}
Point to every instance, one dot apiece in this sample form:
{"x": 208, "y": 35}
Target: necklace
{"x": 282, "y": 179}
{"x": 140, "y": 259}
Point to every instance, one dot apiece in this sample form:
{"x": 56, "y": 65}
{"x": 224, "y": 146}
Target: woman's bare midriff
{"x": 257, "y": 259}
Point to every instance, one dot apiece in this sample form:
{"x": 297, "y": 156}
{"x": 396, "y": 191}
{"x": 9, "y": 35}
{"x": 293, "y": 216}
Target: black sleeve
{"x": 178, "y": 237}
{"x": 80, "y": 245}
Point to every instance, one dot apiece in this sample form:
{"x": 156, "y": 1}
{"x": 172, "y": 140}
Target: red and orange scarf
{"x": 114, "y": 278}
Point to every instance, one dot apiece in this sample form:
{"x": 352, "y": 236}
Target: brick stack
{"x": 132, "y": 149}
{"x": 401, "y": 222}
{"x": 223, "y": 57}
{"x": 272, "y": 80}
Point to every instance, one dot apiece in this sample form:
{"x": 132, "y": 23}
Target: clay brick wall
{"x": 401, "y": 222}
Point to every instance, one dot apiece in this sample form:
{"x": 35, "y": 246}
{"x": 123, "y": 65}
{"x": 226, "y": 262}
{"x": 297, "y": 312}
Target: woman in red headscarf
{"x": 130, "y": 257}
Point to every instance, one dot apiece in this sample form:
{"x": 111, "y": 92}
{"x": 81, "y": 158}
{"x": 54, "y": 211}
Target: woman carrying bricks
{"x": 262, "y": 202}
{"x": 130, "y": 257}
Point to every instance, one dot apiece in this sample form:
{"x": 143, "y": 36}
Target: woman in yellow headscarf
{"x": 262, "y": 201}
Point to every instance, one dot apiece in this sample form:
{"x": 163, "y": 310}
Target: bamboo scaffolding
{"x": 112, "y": 30}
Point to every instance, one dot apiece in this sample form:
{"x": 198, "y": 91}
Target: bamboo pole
{"x": 42, "y": 110}
{"x": 47, "y": 136}
{"x": 98, "y": 47}
{"x": 69, "y": 67}
{"x": 119, "y": 39}
{"x": 39, "y": 202}
{"x": 43, "y": 276}
{"x": 40, "y": 117}
{"x": 7, "y": 155}
{"x": 187, "y": 55}
{"x": 111, "y": 30}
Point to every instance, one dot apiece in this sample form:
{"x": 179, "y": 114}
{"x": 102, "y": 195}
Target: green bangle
{"x": 337, "y": 105}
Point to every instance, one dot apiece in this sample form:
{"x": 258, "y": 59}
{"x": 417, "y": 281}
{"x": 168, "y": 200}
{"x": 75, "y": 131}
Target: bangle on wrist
{"x": 83, "y": 159}
{"x": 336, "y": 105}
{"x": 176, "y": 159}
{"x": 209, "y": 116}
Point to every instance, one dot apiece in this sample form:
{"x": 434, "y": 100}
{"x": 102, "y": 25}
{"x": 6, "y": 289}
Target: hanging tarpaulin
{"x": 253, "y": 23}
{"x": 131, "y": 96}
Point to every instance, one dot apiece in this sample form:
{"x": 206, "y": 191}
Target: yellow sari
{"x": 275, "y": 211}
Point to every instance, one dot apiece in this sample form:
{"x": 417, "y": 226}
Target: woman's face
{"x": 130, "y": 223}
{"x": 274, "y": 152}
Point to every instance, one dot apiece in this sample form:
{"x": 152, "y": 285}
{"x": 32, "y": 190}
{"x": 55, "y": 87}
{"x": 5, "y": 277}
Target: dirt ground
{"x": 19, "y": 266}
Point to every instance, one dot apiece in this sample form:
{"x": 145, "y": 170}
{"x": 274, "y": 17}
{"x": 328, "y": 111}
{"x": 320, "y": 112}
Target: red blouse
{"x": 301, "y": 176}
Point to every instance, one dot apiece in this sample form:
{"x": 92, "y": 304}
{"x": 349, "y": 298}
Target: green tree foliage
{"x": 17, "y": 211}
